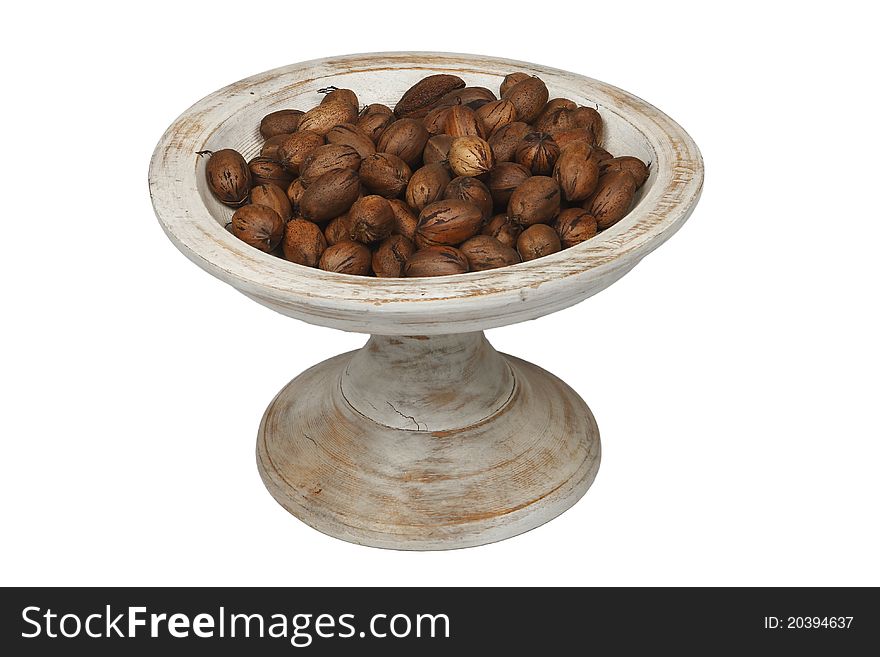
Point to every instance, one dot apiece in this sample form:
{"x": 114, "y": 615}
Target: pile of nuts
{"x": 453, "y": 179}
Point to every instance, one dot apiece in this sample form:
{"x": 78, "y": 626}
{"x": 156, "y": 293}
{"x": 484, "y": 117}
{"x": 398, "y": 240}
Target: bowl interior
{"x": 240, "y": 130}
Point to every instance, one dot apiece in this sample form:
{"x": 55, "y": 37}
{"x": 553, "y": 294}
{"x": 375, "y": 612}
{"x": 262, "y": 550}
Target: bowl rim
{"x": 186, "y": 220}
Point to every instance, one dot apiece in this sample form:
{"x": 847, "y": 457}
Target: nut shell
{"x": 496, "y": 114}
{"x": 462, "y": 121}
{"x": 467, "y": 188}
{"x": 565, "y": 138}
{"x": 529, "y": 98}
{"x": 374, "y": 124}
{"x": 259, "y": 226}
{"x": 280, "y": 122}
{"x": 272, "y": 196}
{"x": 484, "y": 252}
{"x": 436, "y": 261}
{"x": 337, "y": 230}
{"x": 466, "y": 96}
{"x": 511, "y": 80}
{"x": 537, "y": 241}
{"x": 229, "y": 177}
{"x": 405, "y": 220}
{"x": 295, "y": 191}
{"x": 437, "y": 149}
{"x": 435, "y": 120}
{"x": 575, "y": 225}
{"x": 391, "y": 256}
{"x": 613, "y": 198}
{"x": 334, "y": 94}
{"x": 406, "y": 139}
{"x": 577, "y": 172}
{"x": 370, "y": 219}
{"x": 327, "y": 115}
{"x": 538, "y": 153}
{"x": 349, "y": 134}
{"x": 425, "y": 93}
{"x": 470, "y": 156}
{"x": 293, "y": 151}
{"x": 503, "y": 179}
{"x": 427, "y": 185}
{"x": 270, "y": 146}
{"x": 506, "y": 138}
{"x": 633, "y": 165}
{"x": 330, "y": 195}
{"x": 385, "y": 174}
{"x": 266, "y": 170}
{"x": 448, "y": 222}
{"x": 328, "y": 158}
{"x": 346, "y": 258}
{"x": 535, "y": 201}
{"x": 589, "y": 119}
{"x": 303, "y": 242}
{"x": 503, "y": 229}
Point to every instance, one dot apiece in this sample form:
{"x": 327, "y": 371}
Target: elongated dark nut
{"x": 484, "y": 252}
{"x": 511, "y": 80}
{"x": 406, "y": 139}
{"x": 370, "y": 219}
{"x": 265, "y": 170}
{"x": 633, "y": 165}
{"x": 346, "y": 258}
{"x": 575, "y": 225}
{"x": 577, "y": 172}
{"x": 535, "y": 201}
{"x": 330, "y": 195}
{"x": 259, "y": 226}
{"x": 503, "y": 179}
{"x": 420, "y": 97}
{"x": 437, "y": 149}
{"x": 529, "y": 97}
{"x": 385, "y": 174}
{"x": 324, "y": 117}
{"x": 537, "y": 241}
{"x": 328, "y": 158}
{"x": 229, "y": 177}
{"x": 293, "y": 151}
{"x": 405, "y": 220}
{"x": 280, "y": 122}
{"x": 468, "y": 188}
{"x": 506, "y": 138}
{"x": 448, "y": 222}
{"x": 303, "y": 242}
{"x": 391, "y": 256}
{"x": 436, "y": 261}
{"x": 274, "y": 197}
{"x": 503, "y": 229}
{"x": 613, "y": 198}
{"x": 349, "y": 134}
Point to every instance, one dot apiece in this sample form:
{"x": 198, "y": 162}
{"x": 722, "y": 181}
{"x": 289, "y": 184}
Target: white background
{"x": 734, "y": 373}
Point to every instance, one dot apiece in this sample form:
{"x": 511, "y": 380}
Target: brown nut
{"x": 295, "y": 190}
{"x": 427, "y": 185}
{"x": 553, "y": 105}
{"x": 496, "y": 114}
{"x": 391, "y": 256}
{"x": 437, "y": 149}
{"x": 470, "y": 156}
{"x": 503, "y": 229}
{"x": 406, "y": 139}
{"x": 303, "y": 242}
{"x": 280, "y": 122}
{"x": 435, "y": 120}
{"x": 537, "y": 241}
{"x": 333, "y": 94}
{"x": 258, "y": 225}
{"x": 575, "y": 225}
{"x": 374, "y": 124}
{"x": 538, "y": 153}
{"x": 293, "y": 151}
{"x": 346, "y": 258}
{"x": 505, "y": 140}
{"x": 385, "y": 174}
{"x": 577, "y": 172}
{"x": 405, "y": 220}
{"x": 529, "y": 98}
{"x": 328, "y": 115}
{"x": 484, "y": 252}
{"x": 229, "y": 177}
{"x": 589, "y": 119}
{"x": 462, "y": 121}
{"x": 370, "y": 219}
{"x": 270, "y": 147}
{"x": 448, "y": 222}
{"x": 265, "y": 170}
{"x": 565, "y": 138}
{"x": 612, "y": 199}
{"x": 558, "y": 120}
{"x": 511, "y": 80}
{"x": 349, "y": 134}
{"x": 272, "y": 196}
{"x": 467, "y": 188}
{"x": 466, "y": 96}
{"x": 337, "y": 230}
{"x": 436, "y": 261}
{"x": 328, "y": 158}
{"x": 503, "y": 179}
{"x": 535, "y": 201}
{"x": 424, "y": 94}
{"x": 376, "y": 108}
{"x": 634, "y": 165}
{"x": 330, "y": 195}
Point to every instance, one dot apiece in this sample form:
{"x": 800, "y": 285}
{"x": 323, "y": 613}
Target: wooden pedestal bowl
{"x": 426, "y": 438}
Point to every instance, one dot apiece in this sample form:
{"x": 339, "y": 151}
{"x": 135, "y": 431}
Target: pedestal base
{"x": 427, "y": 443}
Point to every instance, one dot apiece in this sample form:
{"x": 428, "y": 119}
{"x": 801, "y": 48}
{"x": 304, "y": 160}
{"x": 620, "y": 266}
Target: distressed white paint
{"x": 426, "y": 438}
